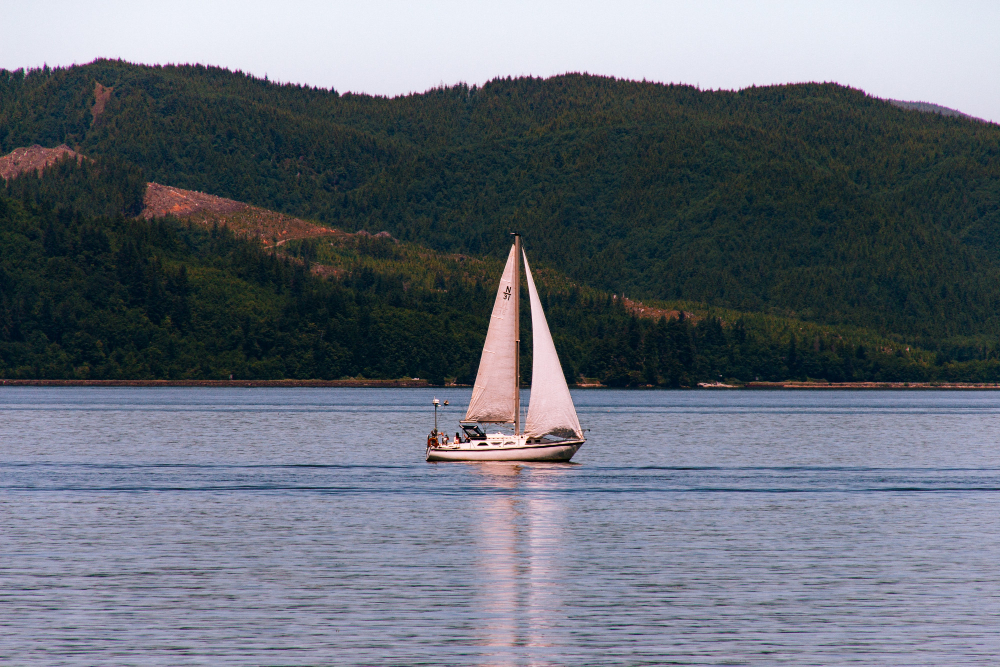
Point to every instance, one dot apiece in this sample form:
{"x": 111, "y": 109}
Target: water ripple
{"x": 302, "y": 527}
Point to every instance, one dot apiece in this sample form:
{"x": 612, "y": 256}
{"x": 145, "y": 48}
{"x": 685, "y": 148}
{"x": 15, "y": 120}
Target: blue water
{"x": 303, "y": 527}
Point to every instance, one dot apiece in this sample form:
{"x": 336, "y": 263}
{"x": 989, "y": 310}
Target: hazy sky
{"x": 942, "y": 52}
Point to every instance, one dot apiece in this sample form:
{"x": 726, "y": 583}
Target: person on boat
{"x": 432, "y": 440}
{"x": 458, "y": 438}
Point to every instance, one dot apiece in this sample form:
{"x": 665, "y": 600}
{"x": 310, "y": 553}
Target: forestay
{"x": 493, "y": 394}
{"x": 551, "y": 410}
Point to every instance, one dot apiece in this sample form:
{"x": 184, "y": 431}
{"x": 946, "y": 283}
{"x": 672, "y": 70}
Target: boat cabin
{"x": 473, "y": 431}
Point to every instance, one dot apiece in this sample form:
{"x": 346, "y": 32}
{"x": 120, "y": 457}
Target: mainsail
{"x": 493, "y": 393}
{"x": 551, "y": 411}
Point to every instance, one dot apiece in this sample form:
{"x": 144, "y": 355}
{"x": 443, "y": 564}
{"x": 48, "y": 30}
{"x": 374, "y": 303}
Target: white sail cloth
{"x": 493, "y": 394}
{"x": 551, "y": 410}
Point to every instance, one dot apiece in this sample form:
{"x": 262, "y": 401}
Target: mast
{"x": 517, "y": 333}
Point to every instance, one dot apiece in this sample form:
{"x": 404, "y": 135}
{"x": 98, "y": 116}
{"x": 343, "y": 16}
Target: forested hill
{"x": 89, "y": 293}
{"x": 810, "y": 200}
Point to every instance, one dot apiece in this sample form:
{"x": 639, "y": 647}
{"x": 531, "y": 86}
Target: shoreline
{"x": 870, "y": 385}
{"x": 424, "y": 384}
{"x": 218, "y": 383}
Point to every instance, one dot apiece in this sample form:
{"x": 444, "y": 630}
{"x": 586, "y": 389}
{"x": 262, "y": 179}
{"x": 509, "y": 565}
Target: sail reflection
{"x": 521, "y": 542}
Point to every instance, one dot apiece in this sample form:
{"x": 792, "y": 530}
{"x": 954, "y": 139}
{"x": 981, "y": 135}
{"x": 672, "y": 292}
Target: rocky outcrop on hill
{"x": 33, "y": 158}
{"x": 271, "y": 227}
{"x": 639, "y": 309}
{"x": 101, "y": 96}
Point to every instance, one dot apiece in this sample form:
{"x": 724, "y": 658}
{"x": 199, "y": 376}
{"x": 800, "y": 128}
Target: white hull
{"x": 553, "y": 452}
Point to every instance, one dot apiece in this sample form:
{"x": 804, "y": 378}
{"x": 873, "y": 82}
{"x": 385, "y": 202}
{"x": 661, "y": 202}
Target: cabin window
{"x": 473, "y": 432}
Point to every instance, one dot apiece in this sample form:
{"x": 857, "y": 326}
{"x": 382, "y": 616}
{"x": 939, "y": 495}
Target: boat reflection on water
{"x": 521, "y": 537}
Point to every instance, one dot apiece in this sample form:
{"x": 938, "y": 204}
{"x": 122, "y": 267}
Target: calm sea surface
{"x": 303, "y": 527}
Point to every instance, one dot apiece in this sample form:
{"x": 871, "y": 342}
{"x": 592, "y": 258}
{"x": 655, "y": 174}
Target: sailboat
{"x": 552, "y": 430}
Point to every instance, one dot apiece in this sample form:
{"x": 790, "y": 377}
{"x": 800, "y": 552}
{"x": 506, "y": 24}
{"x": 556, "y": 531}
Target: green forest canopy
{"x": 814, "y": 200}
{"x": 88, "y": 293}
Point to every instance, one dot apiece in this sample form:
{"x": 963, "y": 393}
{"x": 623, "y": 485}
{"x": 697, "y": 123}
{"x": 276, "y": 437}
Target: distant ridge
{"x": 812, "y": 201}
{"x": 928, "y": 107}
